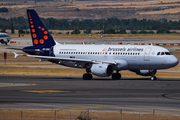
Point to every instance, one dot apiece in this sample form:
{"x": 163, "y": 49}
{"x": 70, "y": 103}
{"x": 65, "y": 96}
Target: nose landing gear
{"x": 152, "y": 76}
{"x": 116, "y": 76}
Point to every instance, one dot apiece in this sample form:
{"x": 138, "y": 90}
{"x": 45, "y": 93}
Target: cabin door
{"x": 146, "y": 54}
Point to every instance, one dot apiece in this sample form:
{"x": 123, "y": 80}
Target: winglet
{"x": 15, "y": 55}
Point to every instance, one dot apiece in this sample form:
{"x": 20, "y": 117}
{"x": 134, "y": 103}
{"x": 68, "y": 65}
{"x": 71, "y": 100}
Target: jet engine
{"x": 145, "y": 72}
{"x": 102, "y": 70}
{"x": 4, "y": 41}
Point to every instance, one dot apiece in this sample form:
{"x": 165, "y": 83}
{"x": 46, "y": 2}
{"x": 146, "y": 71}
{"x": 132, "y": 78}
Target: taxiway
{"x": 55, "y": 92}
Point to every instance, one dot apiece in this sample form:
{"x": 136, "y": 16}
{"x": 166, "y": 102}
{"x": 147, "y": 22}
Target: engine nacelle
{"x": 102, "y": 70}
{"x": 145, "y": 72}
{"x": 4, "y": 40}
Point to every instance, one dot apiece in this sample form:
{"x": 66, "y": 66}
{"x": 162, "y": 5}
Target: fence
{"x": 10, "y": 114}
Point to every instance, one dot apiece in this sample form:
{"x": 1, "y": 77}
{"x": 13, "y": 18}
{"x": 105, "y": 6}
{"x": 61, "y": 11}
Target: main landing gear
{"x": 87, "y": 76}
{"x": 116, "y": 76}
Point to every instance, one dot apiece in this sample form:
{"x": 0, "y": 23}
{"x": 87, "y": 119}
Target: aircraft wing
{"x": 43, "y": 58}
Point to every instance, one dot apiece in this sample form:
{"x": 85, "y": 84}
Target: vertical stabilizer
{"x": 39, "y": 33}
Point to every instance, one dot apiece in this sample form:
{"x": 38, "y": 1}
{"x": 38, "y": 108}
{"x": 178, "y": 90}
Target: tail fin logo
{"x": 34, "y": 35}
{"x": 39, "y": 33}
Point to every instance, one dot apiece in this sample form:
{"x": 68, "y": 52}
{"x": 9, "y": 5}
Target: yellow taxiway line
{"x": 46, "y": 91}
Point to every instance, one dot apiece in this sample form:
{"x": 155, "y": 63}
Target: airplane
{"x": 99, "y": 60}
{"x": 4, "y": 38}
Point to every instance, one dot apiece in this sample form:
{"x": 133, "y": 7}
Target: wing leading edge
{"x": 65, "y": 59}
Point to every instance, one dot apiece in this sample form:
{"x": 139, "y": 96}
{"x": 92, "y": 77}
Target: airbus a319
{"x": 99, "y": 60}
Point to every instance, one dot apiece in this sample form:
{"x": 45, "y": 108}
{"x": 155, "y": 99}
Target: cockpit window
{"x": 168, "y": 53}
{"x": 158, "y": 53}
{"x": 162, "y": 53}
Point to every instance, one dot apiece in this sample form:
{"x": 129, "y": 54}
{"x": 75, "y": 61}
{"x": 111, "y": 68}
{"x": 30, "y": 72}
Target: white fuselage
{"x": 136, "y": 56}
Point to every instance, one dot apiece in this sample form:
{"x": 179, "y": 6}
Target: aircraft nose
{"x": 173, "y": 61}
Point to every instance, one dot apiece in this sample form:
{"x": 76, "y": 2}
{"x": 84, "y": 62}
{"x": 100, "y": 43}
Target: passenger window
{"x": 158, "y": 53}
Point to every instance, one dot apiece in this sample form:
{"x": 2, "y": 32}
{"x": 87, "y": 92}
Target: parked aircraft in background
{"x": 99, "y": 60}
{"x": 4, "y": 38}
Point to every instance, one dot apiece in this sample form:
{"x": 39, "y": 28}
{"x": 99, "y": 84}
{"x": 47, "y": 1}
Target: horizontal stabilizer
{"x": 15, "y": 55}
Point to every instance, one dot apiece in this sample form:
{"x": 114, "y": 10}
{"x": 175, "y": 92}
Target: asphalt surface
{"x": 73, "y": 93}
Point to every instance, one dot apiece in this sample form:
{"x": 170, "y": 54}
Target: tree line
{"x": 110, "y": 25}
{"x": 4, "y": 9}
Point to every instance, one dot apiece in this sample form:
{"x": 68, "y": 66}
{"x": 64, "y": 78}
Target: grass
{"x": 41, "y": 71}
{"x": 168, "y": 11}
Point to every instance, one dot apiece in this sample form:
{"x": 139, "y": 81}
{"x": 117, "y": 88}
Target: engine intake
{"x": 102, "y": 70}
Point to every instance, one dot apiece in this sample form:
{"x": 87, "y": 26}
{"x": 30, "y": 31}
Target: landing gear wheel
{"x": 87, "y": 76}
{"x": 116, "y": 76}
{"x": 153, "y": 78}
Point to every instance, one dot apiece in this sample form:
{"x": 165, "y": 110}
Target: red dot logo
{"x": 45, "y": 37}
{"x": 31, "y": 22}
{"x": 33, "y": 30}
{"x": 39, "y": 27}
{"x": 35, "y": 41}
{"x": 41, "y": 41}
{"x": 32, "y": 26}
{"x": 29, "y": 15}
{"x": 45, "y": 32}
{"x": 42, "y": 29}
{"x": 34, "y": 35}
